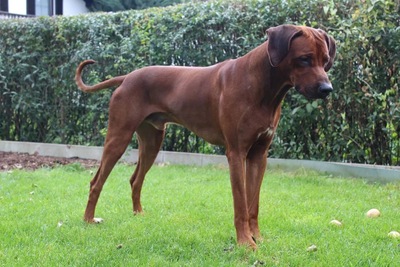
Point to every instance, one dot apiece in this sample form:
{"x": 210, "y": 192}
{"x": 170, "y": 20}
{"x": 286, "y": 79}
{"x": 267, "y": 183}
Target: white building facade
{"x": 42, "y": 7}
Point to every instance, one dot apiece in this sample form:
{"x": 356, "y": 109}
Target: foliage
{"x": 120, "y": 5}
{"x": 360, "y": 122}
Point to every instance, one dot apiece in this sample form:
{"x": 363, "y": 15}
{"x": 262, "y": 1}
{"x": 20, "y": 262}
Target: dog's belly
{"x": 213, "y": 136}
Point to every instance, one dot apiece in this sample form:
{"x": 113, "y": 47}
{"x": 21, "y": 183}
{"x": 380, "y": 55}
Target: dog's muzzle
{"x": 321, "y": 90}
{"x": 325, "y": 88}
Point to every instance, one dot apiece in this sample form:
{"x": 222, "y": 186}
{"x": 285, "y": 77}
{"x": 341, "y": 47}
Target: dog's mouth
{"x": 320, "y": 91}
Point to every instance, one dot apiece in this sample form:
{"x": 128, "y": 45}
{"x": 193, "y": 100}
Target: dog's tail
{"x": 97, "y": 87}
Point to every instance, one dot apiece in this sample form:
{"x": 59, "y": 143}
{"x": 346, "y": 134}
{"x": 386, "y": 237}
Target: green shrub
{"x": 360, "y": 122}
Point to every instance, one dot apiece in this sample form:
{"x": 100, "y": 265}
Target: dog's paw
{"x": 98, "y": 220}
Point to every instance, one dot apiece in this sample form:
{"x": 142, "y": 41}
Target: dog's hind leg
{"x": 113, "y": 150}
{"x": 120, "y": 131}
{"x": 150, "y": 140}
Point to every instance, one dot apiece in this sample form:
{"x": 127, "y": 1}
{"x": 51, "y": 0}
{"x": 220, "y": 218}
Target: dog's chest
{"x": 268, "y": 132}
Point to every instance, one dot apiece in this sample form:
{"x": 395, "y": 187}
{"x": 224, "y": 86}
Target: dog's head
{"x": 305, "y": 54}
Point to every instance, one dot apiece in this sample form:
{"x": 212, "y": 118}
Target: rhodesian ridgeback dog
{"x": 235, "y": 103}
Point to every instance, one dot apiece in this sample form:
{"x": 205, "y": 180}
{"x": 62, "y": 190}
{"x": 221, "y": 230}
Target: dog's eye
{"x": 304, "y": 61}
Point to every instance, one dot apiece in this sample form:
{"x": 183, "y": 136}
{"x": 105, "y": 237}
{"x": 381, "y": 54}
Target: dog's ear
{"x": 279, "y": 40}
{"x": 332, "y": 49}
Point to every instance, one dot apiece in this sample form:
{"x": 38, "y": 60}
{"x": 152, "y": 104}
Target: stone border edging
{"x": 375, "y": 173}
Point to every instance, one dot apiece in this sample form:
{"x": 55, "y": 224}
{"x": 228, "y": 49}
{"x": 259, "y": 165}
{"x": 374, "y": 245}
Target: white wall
{"x": 70, "y": 7}
{"x": 74, "y": 7}
{"x": 17, "y": 7}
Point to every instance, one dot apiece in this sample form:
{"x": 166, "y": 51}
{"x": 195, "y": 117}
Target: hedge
{"x": 360, "y": 122}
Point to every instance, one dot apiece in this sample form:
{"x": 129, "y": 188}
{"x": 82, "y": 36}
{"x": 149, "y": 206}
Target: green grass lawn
{"x": 188, "y": 220}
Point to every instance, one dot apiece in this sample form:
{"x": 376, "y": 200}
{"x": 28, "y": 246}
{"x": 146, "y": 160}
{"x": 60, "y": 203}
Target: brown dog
{"x": 235, "y": 103}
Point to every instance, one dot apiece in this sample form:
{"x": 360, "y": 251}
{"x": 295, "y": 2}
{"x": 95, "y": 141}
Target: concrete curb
{"x": 95, "y": 152}
{"x": 372, "y": 173}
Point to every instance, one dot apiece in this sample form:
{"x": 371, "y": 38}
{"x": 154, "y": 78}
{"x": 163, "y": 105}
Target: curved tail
{"x": 97, "y": 87}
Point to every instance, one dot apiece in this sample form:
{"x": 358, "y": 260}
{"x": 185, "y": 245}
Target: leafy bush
{"x": 360, "y": 122}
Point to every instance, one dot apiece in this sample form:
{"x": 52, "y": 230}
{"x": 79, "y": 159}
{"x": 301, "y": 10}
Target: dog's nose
{"x": 325, "y": 88}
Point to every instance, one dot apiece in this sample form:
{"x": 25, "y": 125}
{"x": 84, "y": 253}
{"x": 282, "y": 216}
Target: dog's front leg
{"x": 256, "y": 163}
{"x": 237, "y": 170}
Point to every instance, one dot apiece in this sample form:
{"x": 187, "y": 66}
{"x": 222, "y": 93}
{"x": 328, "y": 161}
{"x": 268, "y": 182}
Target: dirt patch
{"x": 10, "y": 161}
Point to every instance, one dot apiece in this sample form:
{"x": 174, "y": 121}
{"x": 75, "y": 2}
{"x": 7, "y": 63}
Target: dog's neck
{"x": 272, "y": 88}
